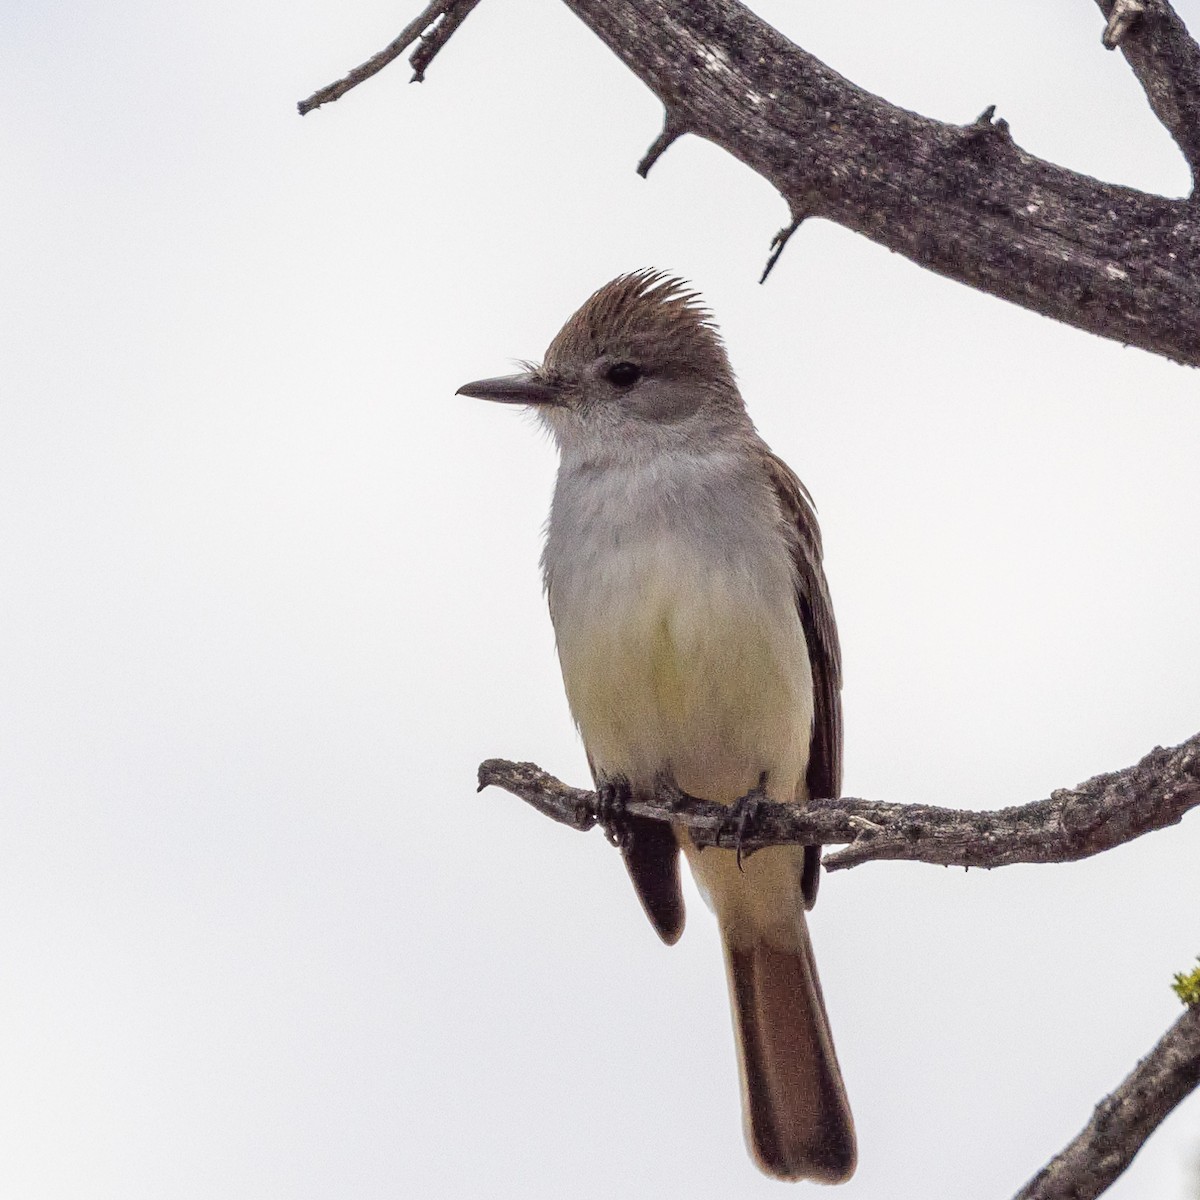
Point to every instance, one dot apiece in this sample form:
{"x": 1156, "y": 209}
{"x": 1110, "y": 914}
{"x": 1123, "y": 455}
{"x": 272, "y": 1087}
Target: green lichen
{"x": 1187, "y": 987}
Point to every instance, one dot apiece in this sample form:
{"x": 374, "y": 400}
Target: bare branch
{"x": 1166, "y": 60}
{"x": 1071, "y": 824}
{"x": 964, "y": 201}
{"x": 1074, "y": 823}
{"x": 1124, "y": 1120}
{"x": 456, "y": 13}
{"x": 444, "y": 15}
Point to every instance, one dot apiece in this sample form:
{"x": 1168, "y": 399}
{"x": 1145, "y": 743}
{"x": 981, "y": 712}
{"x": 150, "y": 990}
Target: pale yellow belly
{"x": 703, "y": 679}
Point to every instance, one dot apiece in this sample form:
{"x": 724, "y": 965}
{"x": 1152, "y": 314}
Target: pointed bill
{"x": 523, "y": 388}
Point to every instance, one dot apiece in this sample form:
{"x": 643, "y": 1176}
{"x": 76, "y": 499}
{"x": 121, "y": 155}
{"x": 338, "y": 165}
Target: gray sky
{"x": 271, "y": 593}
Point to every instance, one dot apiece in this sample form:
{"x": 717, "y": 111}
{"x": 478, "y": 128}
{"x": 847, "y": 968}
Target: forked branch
{"x": 440, "y": 18}
{"x": 962, "y": 200}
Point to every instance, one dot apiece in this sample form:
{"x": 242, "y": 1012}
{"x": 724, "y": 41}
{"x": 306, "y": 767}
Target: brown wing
{"x": 651, "y": 856}
{"x": 824, "y": 776}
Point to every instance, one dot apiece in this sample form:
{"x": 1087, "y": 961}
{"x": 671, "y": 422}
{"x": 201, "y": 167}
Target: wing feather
{"x": 824, "y": 776}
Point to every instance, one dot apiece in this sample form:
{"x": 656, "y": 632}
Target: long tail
{"x": 798, "y": 1121}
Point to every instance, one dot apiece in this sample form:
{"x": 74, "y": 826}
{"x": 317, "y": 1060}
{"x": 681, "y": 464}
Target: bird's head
{"x": 641, "y": 360}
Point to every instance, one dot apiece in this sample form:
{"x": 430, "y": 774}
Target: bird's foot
{"x": 743, "y": 813}
{"x": 668, "y": 792}
{"x": 612, "y": 795}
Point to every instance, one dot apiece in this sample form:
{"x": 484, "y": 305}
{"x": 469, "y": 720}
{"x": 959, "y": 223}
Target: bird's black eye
{"x": 623, "y": 374}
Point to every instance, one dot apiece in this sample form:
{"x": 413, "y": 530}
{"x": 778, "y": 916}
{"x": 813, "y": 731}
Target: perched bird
{"x": 697, "y": 643}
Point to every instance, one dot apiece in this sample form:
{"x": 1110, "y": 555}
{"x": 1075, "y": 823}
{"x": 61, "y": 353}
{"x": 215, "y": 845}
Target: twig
{"x": 452, "y": 14}
{"x": 1124, "y": 1120}
{"x": 1166, "y": 60}
{"x": 456, "y": 13}
{"x": 671, "y": 132}
{"x": 779, "y": 241}
{"x": 1071, "y": 824}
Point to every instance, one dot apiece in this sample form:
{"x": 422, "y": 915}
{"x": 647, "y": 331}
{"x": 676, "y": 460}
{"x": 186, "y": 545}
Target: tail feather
{"x": 797, "y": 1116}
{"x": 798, "y": 1121}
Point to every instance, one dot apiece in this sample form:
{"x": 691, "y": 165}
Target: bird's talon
{"x": 743, "y": 813}
{"x": 612, "y": 795}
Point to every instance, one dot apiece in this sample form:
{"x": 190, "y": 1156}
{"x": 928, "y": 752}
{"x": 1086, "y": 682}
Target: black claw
{"x": 612, "y": 795}
{"x": 743, "y": 813}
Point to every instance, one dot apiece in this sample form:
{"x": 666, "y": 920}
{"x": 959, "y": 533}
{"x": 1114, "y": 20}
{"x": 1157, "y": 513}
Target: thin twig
{"x": 1071, "y": 824}
{"x": 452, "y": 12}
{"x": 671, "y": 132}
{"x": 779, "y": 241}
{"x": 1124, "y": 1120}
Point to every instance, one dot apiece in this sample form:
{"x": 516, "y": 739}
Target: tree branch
{"x": 962, "y": 200}
{"x": 445, "y": 16}
{"x": 1074, "y": 823}
{"x": 1071, "y": 824}
{"x": 1166, "y": 61}
{"x": 1124, "y": 1120}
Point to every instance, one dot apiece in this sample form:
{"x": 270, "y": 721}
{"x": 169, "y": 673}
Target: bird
{"x": 683, "y": 568}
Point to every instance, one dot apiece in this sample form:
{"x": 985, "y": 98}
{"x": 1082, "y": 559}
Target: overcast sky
{"x": 270, "y": 592}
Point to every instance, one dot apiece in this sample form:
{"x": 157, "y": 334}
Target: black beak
{"x": 524, "y": 388}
